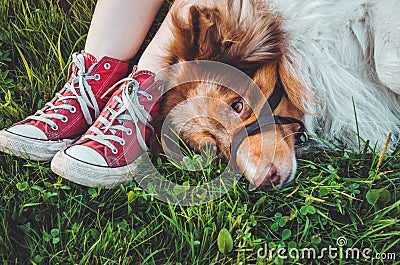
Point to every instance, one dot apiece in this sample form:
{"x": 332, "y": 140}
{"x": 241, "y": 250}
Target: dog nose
{"x": 272, "y": 178}
{"x": 273, "y": 175}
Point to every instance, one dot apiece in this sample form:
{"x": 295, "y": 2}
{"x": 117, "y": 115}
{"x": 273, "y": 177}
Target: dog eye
{"x": 237, "y": 106}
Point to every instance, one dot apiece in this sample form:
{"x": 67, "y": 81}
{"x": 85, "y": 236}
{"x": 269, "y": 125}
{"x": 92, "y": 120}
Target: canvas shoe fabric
{"x": 109, "y": 152}
{"x": 69, "y": 114}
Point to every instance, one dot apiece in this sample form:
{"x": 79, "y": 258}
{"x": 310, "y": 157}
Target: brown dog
{"x": 313, "y": 61}
{"x": 256, "y": 49}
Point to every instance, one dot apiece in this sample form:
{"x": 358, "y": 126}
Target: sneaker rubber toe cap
{"x": 26, "y": 130}
{"x": 87, "y": 155}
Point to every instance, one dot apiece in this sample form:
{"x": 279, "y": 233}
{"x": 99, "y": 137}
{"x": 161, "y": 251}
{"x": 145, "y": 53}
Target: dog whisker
{"x": 288, "y": 135}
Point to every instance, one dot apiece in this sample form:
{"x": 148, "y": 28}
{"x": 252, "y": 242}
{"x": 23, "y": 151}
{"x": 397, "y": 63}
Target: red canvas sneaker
{"x": 108, "y": 153}
{"x": 69, "y": 114}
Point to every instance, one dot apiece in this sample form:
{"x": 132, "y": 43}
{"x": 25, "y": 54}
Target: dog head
{"x": 208, "y": 114}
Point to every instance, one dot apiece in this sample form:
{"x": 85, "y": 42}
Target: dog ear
{"x": 295, "y": 91}
{"x": 196, "y": 37}
{"x": 252, "y": 32}
{"x": 241, "y": 33}
{"x": 266, "y": 76}
{"x": 206, "y": 38}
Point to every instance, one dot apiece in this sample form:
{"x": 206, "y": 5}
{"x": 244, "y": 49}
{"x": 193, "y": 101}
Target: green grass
{"x": 47, "y": 220}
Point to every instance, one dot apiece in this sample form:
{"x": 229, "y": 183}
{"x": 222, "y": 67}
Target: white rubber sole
{"x": 90, "y": 175}
{"x": 29, "y": 148}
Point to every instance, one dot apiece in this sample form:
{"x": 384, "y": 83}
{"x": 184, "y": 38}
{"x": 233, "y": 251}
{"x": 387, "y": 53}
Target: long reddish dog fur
{"x": 260, "y": 41}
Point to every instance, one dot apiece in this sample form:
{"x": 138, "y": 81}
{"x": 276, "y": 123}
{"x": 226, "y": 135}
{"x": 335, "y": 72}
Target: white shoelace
{"x": 86, "y": 99}
{"x": 129, "y": 110}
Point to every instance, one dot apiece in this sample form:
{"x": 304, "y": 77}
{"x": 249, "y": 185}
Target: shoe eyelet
{"x": 97, "y": 77}
{"x": 114, "y": 151}
{"x": 122, "y": 142}
{"x": 129, "y": 132}
{"x": 64, "y": 119}
{"x": 72, "y": 110}
{"x": 55, "y": 127}
{"x": 107, "y": 66}
{"x": 150, "y": 97}
{"x": 142, "y": 106}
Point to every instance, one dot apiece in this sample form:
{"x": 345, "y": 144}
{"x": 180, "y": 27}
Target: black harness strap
{"x": 276, "y": 97}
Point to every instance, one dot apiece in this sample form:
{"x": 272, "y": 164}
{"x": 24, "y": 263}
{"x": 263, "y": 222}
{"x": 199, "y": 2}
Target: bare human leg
{"x": 117, "y": 31}
{"x": 119, "y": 27}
